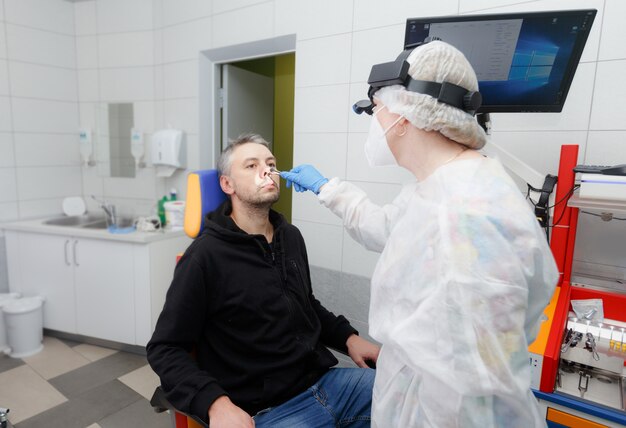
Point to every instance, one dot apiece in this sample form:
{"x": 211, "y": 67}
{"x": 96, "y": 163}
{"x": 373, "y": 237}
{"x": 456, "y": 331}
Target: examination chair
{"x": 204, "y": 194}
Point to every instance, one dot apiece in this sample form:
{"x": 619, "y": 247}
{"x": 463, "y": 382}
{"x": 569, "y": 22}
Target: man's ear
{"x": 226, "y": 185}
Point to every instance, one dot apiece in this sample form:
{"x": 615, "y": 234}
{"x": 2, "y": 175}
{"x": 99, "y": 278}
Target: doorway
{"x": 258, "y": 96}
{"x": 250, "y": 88}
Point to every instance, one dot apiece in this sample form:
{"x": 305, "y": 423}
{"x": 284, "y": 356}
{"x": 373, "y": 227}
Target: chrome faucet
{"x": 109, "y": 210}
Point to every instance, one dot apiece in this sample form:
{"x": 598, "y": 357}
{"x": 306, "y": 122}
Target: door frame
{"x": 209, "y": 65}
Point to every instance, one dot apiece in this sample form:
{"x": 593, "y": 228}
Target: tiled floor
{"x": 73, "y": 385}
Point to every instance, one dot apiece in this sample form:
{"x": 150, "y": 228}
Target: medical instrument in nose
{"x": 274, "y": 171}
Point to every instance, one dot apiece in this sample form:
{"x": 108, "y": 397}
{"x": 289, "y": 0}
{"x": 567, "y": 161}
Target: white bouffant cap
{"x": 437, "y": 62}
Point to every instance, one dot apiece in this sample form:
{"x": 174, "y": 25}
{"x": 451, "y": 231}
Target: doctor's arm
{"x": 368, "y": 223}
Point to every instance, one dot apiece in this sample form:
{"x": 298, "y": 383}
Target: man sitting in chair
{"x": 241, "y": 300}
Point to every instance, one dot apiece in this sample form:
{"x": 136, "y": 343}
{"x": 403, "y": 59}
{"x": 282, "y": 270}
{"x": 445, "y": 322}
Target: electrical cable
{"x": 603, "y": 216}
{"x": 565, "y": 198}
{"x": 567, "y": 195}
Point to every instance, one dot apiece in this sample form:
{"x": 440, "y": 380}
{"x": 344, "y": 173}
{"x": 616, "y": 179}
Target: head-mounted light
{"x": 397, "y": 73}
{"x": 363, "y": 106}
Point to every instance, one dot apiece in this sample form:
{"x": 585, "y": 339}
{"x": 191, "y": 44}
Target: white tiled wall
{"x": 613, "y": 31}
{"x": 4, "y": 77}
{"x": 37, "y": 46}
{"x": 37, "y": 115}
{"x": 132, "y": 49}
{"x": 221, "y": 6}
{"x": 38, "y": 108}
{"x": 324, "y": 243}
{"x": 605, "y": 113}
{"x": 127, "y": 84}
{"x": 115, "y": 56}
{"x": 242, "y": 25}
{"x": 184, "y": 41}
{"x": 7, "y": 152}
{"x": 8, "y": 186}
{"x": 3, "y": 40}
{"x": 58, "y": 59}
{"x": 5, "y": 114}
{"x": 44, "y": 82}
{"x": 321, "y": 109}
{"x": 372, "y": 47}
{"x": 38, "y": 149}
{"x": 57, "y": 17}
{"x": 180, "y": 79}
{"x": 119, "y": 16}
{"x": 86, "y": 51}
{"x": 177, "y": 12}
{"x": 85, "y": 22}
{"x": 373, "y": 14}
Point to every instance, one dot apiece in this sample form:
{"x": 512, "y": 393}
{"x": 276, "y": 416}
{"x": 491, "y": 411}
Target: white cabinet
{"x": 45, "y": 268}
{"x": 105, "y": 289}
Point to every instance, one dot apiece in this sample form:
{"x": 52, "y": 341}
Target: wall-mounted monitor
{"x": 525, "y": 62}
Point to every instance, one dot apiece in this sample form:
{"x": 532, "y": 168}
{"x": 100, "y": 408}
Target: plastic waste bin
{"x": 24, "y": 324}
{"x": 5, "y": 298}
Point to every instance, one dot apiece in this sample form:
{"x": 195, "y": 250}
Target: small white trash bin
{"x": 5, "y": 298}
{"x": 24, "y": 323}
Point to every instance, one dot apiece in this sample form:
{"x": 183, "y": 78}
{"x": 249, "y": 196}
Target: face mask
{"x": 377, "y": 150}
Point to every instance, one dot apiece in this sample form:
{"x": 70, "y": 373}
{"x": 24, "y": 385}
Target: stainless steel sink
{"x": 75, "y": 221}
{"x": 101, "y": 224}
{"x": 88, "y": 221}
{"x": 122, "y": 222}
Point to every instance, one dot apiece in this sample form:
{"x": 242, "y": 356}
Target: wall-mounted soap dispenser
{"x": 167, "y": 151}
{"x": 136, "y": 147}
{"x": 86, "y": 146}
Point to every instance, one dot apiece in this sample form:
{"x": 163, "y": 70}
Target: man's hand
{"x": 361, "y": 351}
{"x": 224, "y": 414}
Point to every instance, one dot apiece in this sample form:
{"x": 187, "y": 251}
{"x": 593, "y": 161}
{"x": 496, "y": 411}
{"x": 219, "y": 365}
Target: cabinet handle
{"x": 67, "y": 259}
{"x": 75, "y": 258}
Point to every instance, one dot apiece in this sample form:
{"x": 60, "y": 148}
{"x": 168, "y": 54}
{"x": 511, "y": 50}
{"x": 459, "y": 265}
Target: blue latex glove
{"x": 304, "y": 177}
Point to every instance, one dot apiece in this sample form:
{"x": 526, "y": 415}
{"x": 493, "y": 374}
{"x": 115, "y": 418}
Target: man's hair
{"x": 224, "y": 162}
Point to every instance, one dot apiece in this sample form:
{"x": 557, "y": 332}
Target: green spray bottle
{"x": 162, "y": 217}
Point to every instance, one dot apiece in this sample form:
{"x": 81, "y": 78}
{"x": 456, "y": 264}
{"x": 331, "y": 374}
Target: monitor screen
{"x": 525, "y": 62}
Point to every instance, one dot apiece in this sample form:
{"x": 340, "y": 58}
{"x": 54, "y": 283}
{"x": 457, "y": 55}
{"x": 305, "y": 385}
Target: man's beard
{"x": 258, "y": 200}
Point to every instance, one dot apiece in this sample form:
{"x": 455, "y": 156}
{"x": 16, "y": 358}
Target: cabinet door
{"x": 104, "y": 279}
{"x": 46, "y": 269}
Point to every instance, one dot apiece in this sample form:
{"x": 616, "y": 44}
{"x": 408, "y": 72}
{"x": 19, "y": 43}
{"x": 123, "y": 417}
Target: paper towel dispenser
{"x": 167, "y": 151}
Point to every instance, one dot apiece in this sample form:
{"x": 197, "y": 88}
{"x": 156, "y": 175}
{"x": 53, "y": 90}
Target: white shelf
{"x": 602, "y": 205}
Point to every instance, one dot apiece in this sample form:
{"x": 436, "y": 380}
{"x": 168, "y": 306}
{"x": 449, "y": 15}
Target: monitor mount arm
{"x": 541, "y": 183}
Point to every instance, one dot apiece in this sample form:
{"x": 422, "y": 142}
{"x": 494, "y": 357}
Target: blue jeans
{"x": 341, "y": 398}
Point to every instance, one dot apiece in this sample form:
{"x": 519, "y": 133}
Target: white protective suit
{"x": 456, "y": 297}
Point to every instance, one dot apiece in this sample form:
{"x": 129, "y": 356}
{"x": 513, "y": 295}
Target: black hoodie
{"x": 247, "y": 311}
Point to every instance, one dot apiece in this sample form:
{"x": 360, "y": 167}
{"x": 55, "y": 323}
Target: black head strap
{"x": 397, "y": 73}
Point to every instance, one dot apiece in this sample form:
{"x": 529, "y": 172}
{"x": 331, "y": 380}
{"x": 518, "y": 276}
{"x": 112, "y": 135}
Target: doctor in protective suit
{"x": 465, "y": 271}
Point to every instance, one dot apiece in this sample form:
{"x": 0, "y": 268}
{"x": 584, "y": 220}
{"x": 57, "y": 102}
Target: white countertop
{"x": 38, "y": 226}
